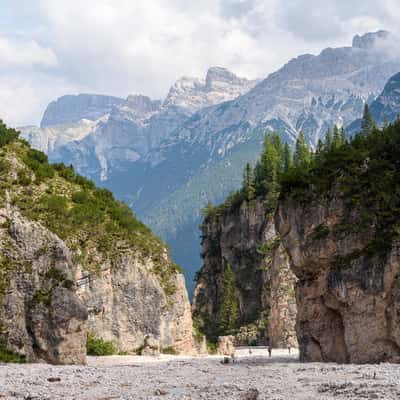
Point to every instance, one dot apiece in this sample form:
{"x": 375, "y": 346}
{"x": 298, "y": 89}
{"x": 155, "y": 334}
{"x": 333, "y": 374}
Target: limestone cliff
{"x": 75, "y": 261}
{"x": 339, "y": 222}
{"x": 126, "y": 302}
{"x": 245, "y": 239}
{"x": 348, "y": 302}
{"x": 41, "y": 317}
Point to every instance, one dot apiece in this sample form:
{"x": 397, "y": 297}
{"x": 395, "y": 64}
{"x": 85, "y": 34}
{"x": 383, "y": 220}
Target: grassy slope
{"x": 88, "y": 219}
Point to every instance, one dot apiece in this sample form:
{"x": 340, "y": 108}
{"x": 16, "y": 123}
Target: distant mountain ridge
{"x": 125, "y": 130}
{"x": 69, "y": 109}
{"x": 167, "y": 159}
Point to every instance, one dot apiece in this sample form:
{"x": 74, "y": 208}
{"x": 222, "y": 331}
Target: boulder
{"x": 226, "y": 345}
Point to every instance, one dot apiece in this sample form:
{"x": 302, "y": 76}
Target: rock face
{"x": 369, "y": 40}
{"x": 126, "y": 303}
{"x": 219, "y": 86}
{"x": 70, "y": 265}
{"x": 245, "y": 239}
{"x": 387, "y": 106}
{"x": 226, "y": 345}
{"x": 71, "y": 109}
{"x": 348, "y": 310}
{"x": 41, "y": 315}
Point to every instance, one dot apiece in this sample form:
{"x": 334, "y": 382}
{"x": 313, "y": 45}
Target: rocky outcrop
{"x": 73, "y": 262}
{"x": 70, "y": 109}
{"x": 126, "y": 303}
{"x": 370, "y": 39}
{"x": 226, "y": 346}
{"x": 219, "y": 86}
{"x": 41, "y": 316}
{"x": 348, "y": 294}
{"x": 282, "y": 300}
{"x": 245, "y": 239}
{"x": 49, "y": 302}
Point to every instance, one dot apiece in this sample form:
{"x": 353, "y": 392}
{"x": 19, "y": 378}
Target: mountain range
{"x": 168, "y": 158}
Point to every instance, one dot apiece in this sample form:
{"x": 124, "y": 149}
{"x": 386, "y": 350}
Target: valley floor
{"x": 174, "y": 377}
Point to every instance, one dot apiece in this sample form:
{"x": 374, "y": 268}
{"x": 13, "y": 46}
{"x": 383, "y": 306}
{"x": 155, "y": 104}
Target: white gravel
{"x": 251, "y": 377}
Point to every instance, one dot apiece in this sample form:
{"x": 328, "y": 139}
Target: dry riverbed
{"x": 252, "y": 376}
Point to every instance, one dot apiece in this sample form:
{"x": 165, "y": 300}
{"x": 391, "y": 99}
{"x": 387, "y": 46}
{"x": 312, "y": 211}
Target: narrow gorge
{"x": 243, "y": 240}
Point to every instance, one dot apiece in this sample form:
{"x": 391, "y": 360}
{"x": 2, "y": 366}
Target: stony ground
{"x": 252, "y": 376}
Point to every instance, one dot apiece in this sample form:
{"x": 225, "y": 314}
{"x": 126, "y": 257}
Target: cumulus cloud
{"x": 51, "y": 47}
{"x": 25, "y": 54}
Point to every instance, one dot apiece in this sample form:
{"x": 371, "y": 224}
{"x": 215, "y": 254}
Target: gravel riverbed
{"x": 252, "y": 376}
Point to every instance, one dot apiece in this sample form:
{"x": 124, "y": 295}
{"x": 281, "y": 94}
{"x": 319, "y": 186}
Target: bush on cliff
{"x": 99, "y": 347}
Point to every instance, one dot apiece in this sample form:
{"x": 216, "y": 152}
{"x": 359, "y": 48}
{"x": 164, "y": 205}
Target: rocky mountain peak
{"x": 216, "y": 75}
{"x": 219, "y": 85}
{"x": 142, "y": 104}
{"x": 369, "y": 39}
{"x": 73, "y": 108}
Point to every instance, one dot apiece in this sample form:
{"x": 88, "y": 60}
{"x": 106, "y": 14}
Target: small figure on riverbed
{"x": 270, "y": 350}
{"x": 289, "y": 349}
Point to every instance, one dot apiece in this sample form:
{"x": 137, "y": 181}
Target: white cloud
{"x": 119, "y": 47}
{"x": 25, "y": 54}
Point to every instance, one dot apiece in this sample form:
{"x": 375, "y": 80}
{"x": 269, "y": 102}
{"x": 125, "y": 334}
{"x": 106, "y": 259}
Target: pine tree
{"x": 367, "y": 124}
{"x": 248, "y": 182}
{"x": 208, "y": 209}
{"x": 328, "y": 140}
{"x": 268, "y": 168}
{"x": 287, "y": 158}
{"x": 320, "y": 147}
{"x": 302, "y": 155}
{"x": 336, "y": 138}
{"x": 229, "y": 309}
{"x": 277, "y": 143}
{"x": 343, "y": 139}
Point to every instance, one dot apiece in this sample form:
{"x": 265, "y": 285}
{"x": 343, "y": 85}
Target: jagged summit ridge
{"x": 71, "y": 109}
{"x": 370, "y": 39}
{"x": 219, "y": 85}
{"x": 104, "y": 131}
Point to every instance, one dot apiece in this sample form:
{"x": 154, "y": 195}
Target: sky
{"x": 49, "y": 48}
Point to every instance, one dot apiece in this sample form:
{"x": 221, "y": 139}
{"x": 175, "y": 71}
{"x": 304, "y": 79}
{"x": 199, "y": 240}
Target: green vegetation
{"x": 84, "y": 216}
{"x": 99, "y": 347}
{"x": 169, "y": 350}
{"x": 8, "y": 356}
{"x": 262, "y": 181}
{"x": 7, "y": 265}
{"x": 366, "y": 174}
{"x": 212, "y": 347}
{"x": 320, "y": 232}
{"x": 229, "y": 308}
{"x": 7, "y": 135}
{"x": 368, "y": 124}
{"x": 268, "y": 247}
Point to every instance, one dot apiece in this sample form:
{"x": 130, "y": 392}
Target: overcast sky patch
{"x": 52, "y": 47}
